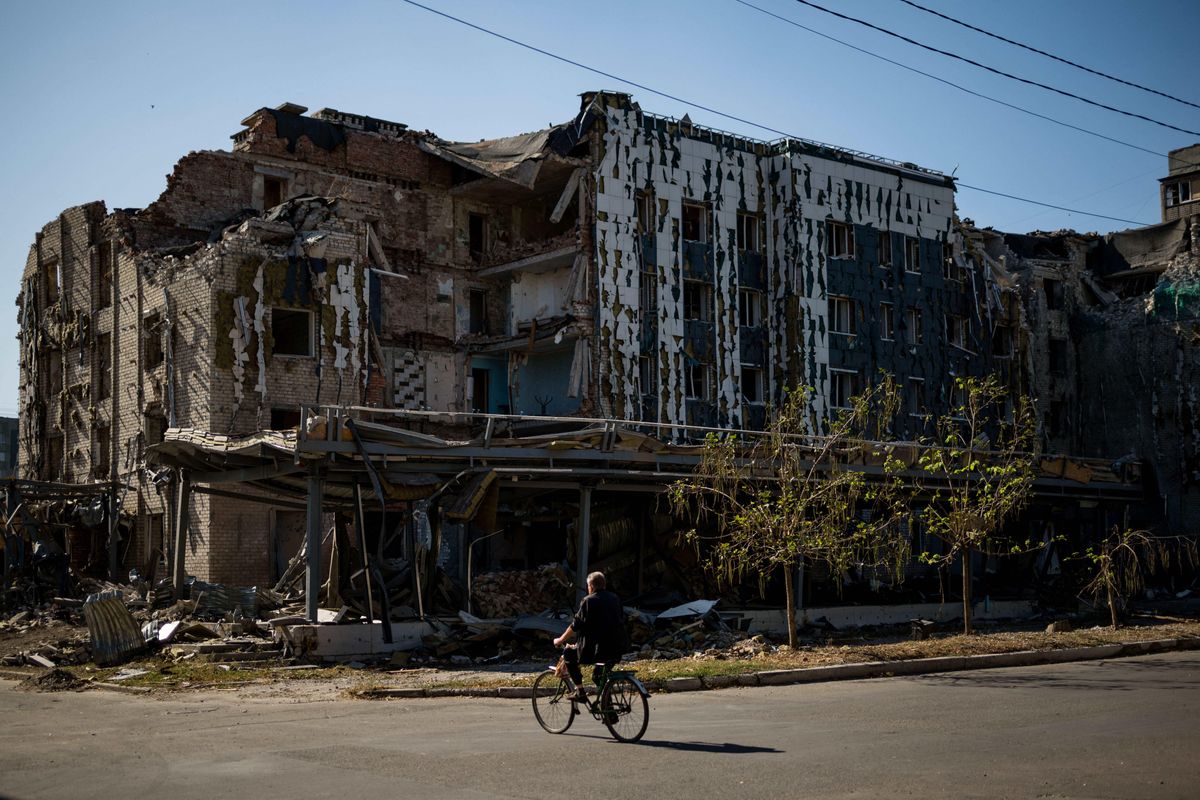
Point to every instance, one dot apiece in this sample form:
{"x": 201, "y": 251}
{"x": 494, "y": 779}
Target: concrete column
{"x": 585, "y": 529}
{"x": 183, "y": 498}
{"x": 312, "y": 546}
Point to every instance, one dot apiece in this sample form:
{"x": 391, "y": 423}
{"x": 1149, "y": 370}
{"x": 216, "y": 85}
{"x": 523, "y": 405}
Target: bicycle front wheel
{"x": 626, "y": 712}
{"x": 552, "y": 703}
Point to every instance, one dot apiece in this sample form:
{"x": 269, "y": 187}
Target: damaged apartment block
{"x": 344, "y": 324}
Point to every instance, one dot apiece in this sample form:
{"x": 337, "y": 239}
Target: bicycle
{"x": 620, "y": 704}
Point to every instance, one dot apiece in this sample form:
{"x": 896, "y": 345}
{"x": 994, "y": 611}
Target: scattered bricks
{"x": 683, "y": 685}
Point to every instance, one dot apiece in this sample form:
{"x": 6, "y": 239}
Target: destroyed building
{"x": 621, "y": 266}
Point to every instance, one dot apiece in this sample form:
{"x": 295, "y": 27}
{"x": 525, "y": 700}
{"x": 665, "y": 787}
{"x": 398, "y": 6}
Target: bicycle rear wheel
{"x": 625, "y": 710}
{"x": 552, "y": 703}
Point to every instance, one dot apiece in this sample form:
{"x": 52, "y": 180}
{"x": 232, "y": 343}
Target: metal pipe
{"x": 312, "y": 567}
{"x": 585, "y": 524}
{"x": 470, "y": 551}
{"x": 181, "y": 530}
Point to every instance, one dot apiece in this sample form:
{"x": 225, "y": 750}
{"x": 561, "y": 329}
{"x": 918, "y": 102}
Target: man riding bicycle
{"x": 599, "y": 624}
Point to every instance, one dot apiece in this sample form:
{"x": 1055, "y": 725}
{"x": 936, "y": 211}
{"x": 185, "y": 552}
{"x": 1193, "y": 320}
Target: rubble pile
{"x": 507, "y": 594}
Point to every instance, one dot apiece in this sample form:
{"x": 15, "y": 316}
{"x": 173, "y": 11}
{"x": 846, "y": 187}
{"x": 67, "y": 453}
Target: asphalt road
{"x": 1127, "y": 728}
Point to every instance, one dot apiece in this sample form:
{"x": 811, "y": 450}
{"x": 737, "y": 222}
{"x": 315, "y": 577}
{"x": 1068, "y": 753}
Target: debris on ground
{"x": 507, "y": 594}
{"x": 54, "y": 680}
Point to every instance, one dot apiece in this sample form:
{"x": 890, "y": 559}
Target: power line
{"x": 1049, "y": 55}
{"x": 955, "y": 85}
{"x": 709, "y": 109}
{"x": 1002, "y": 73}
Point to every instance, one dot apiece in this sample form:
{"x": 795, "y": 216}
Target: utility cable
{"x": 722, "y": 114}
{"x": 962, "y": 185}
{"x": 958, "y": 86}
{"x": 1049, "y": 55}
{"x": 993, "y": 70}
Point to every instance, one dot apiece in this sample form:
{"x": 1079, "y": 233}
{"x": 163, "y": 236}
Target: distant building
{"x": 8, "y": 446}
{"x": 1181, "y": 188}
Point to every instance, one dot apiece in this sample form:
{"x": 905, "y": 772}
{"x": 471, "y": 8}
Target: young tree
{"x": 793, "y": 495}
{"x": 1125, "y": 558}
{"x": 977, "y": 472}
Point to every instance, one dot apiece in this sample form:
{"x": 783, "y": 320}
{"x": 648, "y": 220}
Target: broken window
{"x": 152, "y": 349}
{"x": 479, "y": 390}
{"x": 956, "y": 331}
{"x": 697, "y": 301}
{"x": 1058, "y": 356}
{"x": 1177, "y": 193}
{"x": 283, "y": 419}
{"x": 839, "y": 239}
{"x": 54, "y": 368}
{"x": 52, "y": 279}
{"x": 648, "y": 375}
{"x": 841, "y": 315}
{"x": 752, "y": 307}
{"x": 1054, "y": 293}
{"x": 916, "y": 330}
{"x": 752, "y": 384}
{"x": 477, "y": 319}
{"x": 887, "y": 322}
{"x": 749, "y": 228}
{"x": 912, "y": 254}
{"x": 843, "y": 385}
{"x": 291, "y": 332}
{"x": 950, "y": 269}
{"x": 695, "y": 223}
{"x": 645, "y": 212}
{"x": 885, "y": 249}
{"x": 699, "y": 382}
{"x": 104, "y": 273}
{"x": 274, "y": 191}
{"x": 104, "y": 366}
{"x": 101, "y": 466}
{"x": 477, "y": 236}
{"x": 915, "y": 400}
{"x": 648, "y": 292}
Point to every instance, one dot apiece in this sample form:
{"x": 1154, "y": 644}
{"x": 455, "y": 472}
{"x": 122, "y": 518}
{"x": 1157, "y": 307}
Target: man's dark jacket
{"x": 599, "y": 625}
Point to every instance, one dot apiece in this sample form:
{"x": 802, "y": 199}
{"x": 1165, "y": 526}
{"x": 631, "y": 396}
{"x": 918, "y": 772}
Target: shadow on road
{"x": 710, "y": 747}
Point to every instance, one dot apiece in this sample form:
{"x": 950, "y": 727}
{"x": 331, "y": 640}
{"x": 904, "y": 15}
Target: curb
{"x": 838, "y": 672}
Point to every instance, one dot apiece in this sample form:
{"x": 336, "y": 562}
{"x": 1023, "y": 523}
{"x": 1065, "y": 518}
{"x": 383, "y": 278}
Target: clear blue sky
{"x": 103, "y": 98}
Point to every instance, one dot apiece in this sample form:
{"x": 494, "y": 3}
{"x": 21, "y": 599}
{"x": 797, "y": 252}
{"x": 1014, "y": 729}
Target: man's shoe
{"x": 580, "y": 695}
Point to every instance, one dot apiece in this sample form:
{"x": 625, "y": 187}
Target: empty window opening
{"x": 104, "y": 273}
{"x": 956, "y": 331}
{"x": 156, "y": 428}
{"x": 1058, "y": 356}
{"x": 479, "y": 390}
{"x": 843, "y": 385}
{"x": 839, "y": 239}
{"x": 648, "y": 375}
{"x": 912, "y": 254}
{"x": 152, "y": 349}
{"x": 950, "y": 269}
{"x": 885, "y": 249}
{"x": 752, "y": 308}
{"x": 53, "y": 279}
{"x": 645, "y": 212}
{"x": 648, "y": 292}
{"x": 274, "y": 191}
{"x": 749, "y": 230}
{"x": 699, "y": 382}
{"x": 54, "y": 458}
{"x": 101, "y": 467}
{"x": 1054, "y": 293}
{"x": 1057, "y": 423}
{"x": 887, "y": 322}
{"x": 841, "y": 315}
{"x": 695, "y": 223}
{"x": 477, "y": 321}
{"x": 916, "y": 326}
{"x": 477, "y": 236}
{"x": 1002, "y": 343}
{"x": 915, "y": 399}
{"x": 292, "y": 331}
{"x": 54, "y": 368}
{"x": 103, "y": 366}
{"x": 752, "y": 384}
{"x": 284, "y": 419}
{"x": 697, "y": 301}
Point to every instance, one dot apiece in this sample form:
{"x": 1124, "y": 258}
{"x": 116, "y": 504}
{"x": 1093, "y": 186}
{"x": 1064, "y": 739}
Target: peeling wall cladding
{"x": 793, "y": 193}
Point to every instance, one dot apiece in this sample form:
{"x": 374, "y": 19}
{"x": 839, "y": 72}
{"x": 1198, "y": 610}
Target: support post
{"x": 585, "y": 535}
{"x": 312, "y": 567}
{"x": 114, "y": 545}
{"x": 183, "y": 498}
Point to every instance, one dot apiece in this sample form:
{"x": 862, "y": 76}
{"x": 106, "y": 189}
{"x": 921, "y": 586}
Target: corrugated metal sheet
{"x": 219, "y": 600}
{"x": 115, "y": 635}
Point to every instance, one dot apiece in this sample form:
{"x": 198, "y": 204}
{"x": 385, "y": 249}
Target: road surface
{"x": 1125, "y": 728}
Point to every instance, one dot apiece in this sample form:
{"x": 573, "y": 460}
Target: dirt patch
{"x": 54, "y": 680}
